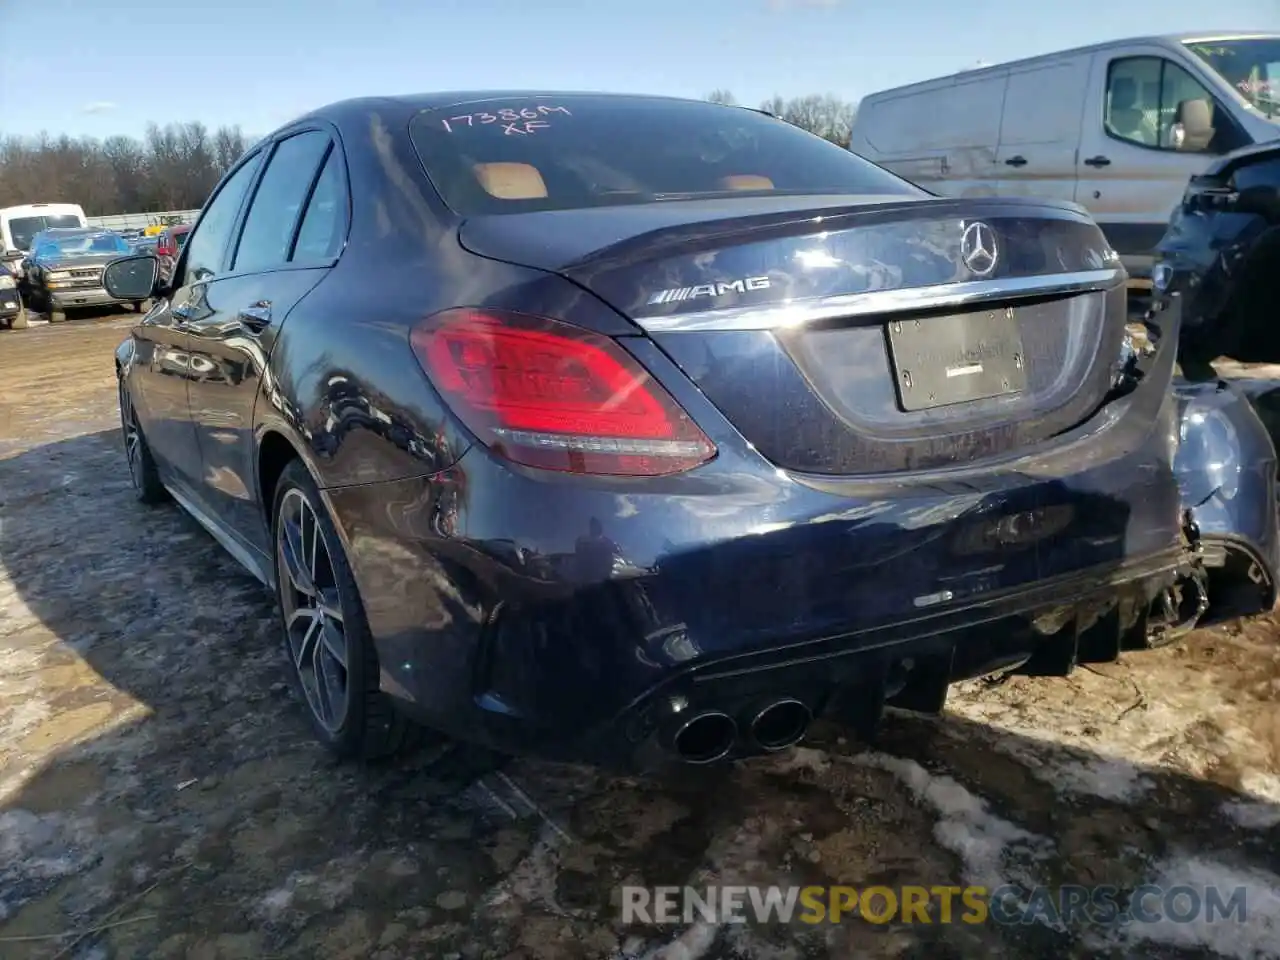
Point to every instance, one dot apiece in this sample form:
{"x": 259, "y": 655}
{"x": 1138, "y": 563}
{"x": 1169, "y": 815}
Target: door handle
{"x": 256, "y": 317}
{"x": 1018, "y": 161}
{"x": 1098, "y": 161}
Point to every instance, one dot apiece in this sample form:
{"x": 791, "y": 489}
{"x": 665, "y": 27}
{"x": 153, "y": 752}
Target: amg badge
{"x": 709, "y": 290}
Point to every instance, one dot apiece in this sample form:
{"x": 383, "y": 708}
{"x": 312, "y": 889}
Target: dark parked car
{"x": 1220, "y": 257}
{"x": 10, "y": 302}
{"x": 64, "y": 270}
{"x": 629, "y": 429}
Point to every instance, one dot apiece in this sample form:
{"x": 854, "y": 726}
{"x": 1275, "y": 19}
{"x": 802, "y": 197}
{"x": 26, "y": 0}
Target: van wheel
{"x": 57, "y": 316}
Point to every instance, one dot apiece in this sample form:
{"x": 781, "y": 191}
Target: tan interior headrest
{"x": 511, "y": 181}
{"x": 746, "y": 181}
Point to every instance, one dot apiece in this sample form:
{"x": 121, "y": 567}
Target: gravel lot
{"x": 160, "y": 796}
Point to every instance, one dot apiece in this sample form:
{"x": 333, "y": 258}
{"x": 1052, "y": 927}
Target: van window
{"x": 1145, "y": 101}
{"x": 1250, "y": 65}
{"x": 24, "y": 229}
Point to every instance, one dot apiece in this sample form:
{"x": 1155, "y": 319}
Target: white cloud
{"x": 98, "y": 106}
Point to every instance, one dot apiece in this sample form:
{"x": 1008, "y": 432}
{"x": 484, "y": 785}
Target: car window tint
{"x": 585, "y": 151}
{"x": 268, "y": 228}
{"x": 322, "y": 226}
{"x": 209, "y": 239}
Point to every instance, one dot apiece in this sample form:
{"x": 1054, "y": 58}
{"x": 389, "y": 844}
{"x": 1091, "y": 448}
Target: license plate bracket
{"x": 944, "y": 360}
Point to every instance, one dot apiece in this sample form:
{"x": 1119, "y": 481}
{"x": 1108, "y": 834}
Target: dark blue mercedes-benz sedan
{"x": 633, "y": 429}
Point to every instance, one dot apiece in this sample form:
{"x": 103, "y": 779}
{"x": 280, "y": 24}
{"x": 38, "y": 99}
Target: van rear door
{"x": 1040, "y": 128}
{"x": 940, "y": 135}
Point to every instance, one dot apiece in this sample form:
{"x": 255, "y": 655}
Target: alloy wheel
{"x": 314, "y": 629}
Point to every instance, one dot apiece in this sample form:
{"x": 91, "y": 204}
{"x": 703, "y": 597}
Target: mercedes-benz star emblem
{"x": 979, "y": 250}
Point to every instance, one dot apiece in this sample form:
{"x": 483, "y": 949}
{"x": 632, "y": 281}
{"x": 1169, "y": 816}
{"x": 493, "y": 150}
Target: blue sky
{"x": 96, "y": 68}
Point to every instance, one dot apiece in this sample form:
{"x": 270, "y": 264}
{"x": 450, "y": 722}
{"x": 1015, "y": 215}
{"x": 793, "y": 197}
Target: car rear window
{"x": 559, "y": 153}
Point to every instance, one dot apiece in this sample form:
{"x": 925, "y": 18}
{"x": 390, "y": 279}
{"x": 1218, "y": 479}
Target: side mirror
{"x": 1192, "y": 126}
{"x": 131, "y": 278}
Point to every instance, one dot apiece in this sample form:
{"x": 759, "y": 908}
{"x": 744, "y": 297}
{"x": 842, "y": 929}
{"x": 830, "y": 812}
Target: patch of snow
{"x": 803, "y": 758}
{"x": 1111, "y": 778}
{"x": 994, "y": 851}
{"x": 39, "y": 850}
{"x": 690, "y": 945}
{"x": 329, "y": 888}
{"x": 1260, "y": 809}
{"x": 1255, "y": 938}
{"x": 1104, "y": 777}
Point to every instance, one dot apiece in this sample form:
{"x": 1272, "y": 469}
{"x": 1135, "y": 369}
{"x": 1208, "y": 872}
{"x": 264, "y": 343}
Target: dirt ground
{"x": 160, "y": 796}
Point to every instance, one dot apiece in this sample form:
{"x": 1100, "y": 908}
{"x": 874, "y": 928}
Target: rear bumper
{"x": 553, "y": 614}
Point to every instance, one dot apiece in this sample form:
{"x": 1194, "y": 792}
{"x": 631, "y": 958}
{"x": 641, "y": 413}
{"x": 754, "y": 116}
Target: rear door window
{"x": 508, "y": 156}
{"x": 277, "y": 203}
{"x": 324, "y": 224}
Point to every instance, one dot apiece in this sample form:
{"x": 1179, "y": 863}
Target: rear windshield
{"x": 511, "y": 156}
{"x": 24, "y": 229}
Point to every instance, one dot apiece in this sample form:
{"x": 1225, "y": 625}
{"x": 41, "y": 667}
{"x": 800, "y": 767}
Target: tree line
{"x": 176, "y": 166}
{"x": 826, "y": 115}
{"x": 172, "y": 167}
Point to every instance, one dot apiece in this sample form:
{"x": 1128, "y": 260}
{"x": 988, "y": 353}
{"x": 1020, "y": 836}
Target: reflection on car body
{"x": 507, "y": 493}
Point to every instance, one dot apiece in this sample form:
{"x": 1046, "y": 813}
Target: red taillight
{"x": 165, "y": 248}
{"x": 547, "y": 394}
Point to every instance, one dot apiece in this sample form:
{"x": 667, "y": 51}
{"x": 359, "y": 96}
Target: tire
{"x": 332, "y": 664}
{"x": 142, "y": 466}
{"x": 57, "y": 316}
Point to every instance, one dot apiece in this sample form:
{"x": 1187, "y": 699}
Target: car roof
{"x": 403, "y": 105}
{"x": 74, "y": 232}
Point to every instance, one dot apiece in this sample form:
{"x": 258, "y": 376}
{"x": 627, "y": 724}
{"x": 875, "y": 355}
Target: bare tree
{"x": 174, "y": 167}
{"x": 823, "y": 114}
{"x": 722, "y": 96}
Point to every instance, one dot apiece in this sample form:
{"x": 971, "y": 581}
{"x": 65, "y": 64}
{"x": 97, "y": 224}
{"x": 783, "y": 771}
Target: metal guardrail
{"x": 140, "y": 221}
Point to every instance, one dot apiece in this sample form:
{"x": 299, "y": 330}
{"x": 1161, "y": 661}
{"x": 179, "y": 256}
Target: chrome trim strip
{"x": 787, "y": 315}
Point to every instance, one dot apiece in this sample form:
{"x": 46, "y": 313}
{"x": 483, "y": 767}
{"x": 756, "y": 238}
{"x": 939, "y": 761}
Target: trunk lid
{"x": 855, "y": 335}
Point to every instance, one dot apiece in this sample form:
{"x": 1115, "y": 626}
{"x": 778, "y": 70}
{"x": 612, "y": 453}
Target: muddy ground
{"x": 160, "y": 796}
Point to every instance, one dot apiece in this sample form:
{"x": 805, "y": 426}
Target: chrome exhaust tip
{"x": 781, "y": 724}
{"x": 706, "y": 738}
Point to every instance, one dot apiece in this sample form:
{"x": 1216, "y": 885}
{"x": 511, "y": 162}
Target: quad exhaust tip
{"x": 781, "y": 724}
{"x": 706, "y": 738}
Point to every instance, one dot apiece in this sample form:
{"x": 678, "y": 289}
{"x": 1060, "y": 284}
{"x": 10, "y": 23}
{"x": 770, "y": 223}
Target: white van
{"x": 1118, "y": 127}
{"x": 19, "y": 224}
